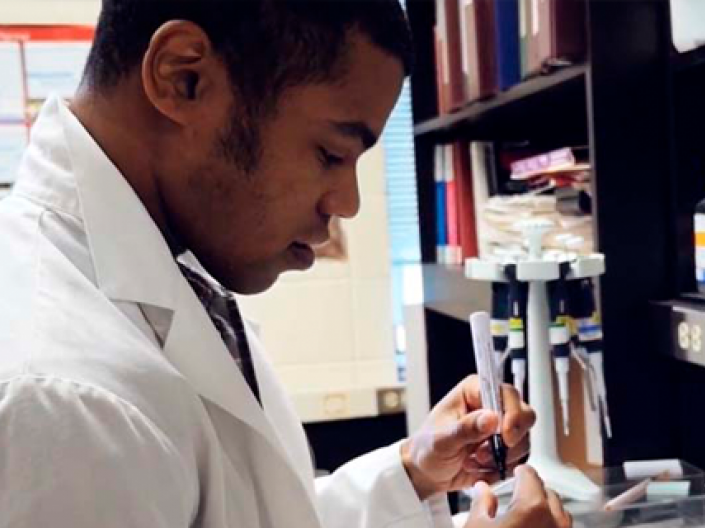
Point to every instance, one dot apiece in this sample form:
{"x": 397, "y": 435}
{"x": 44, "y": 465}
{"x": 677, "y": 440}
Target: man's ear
{"x": 179, "y": 69}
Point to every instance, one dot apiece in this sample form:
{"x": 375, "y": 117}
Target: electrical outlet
{"x": 688, "y": 334}
{"x": 335, "y": 405}
{"x": 391, "y": 401}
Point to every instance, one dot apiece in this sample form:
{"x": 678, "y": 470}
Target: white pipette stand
{"x": 565, "y": 480}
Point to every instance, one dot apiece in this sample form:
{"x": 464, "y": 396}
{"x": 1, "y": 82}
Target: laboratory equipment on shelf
{"x": 547, "y": 341}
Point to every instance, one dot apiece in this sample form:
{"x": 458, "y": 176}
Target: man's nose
{"x": 344, "y": 200}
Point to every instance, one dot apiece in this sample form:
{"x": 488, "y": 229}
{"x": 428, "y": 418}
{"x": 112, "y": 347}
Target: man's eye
{"x": 329, "y": 160}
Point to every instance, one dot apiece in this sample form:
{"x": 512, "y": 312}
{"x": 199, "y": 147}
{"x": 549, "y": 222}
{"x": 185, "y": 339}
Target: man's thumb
{"x": 484, "y": 503}
{"x": 473, "y": 428}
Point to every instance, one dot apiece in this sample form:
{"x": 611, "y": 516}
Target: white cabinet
{"x": 53, "y": 12}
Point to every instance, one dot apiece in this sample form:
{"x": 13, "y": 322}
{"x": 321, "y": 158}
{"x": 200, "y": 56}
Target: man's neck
{"x": 119, "y": 126}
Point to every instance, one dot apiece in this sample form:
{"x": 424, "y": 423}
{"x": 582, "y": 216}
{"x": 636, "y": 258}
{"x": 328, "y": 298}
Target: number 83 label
{"x": 690, "y": 337}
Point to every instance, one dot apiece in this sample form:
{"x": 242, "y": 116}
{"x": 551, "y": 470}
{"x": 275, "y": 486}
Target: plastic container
{"x": 678, "y": 503}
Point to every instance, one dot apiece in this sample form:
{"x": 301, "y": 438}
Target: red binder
{"x": 561, "y": 37}
{"x": 466, "y": 201}
{"x": 480, "y": 50}
{"x": 448, "y": 23}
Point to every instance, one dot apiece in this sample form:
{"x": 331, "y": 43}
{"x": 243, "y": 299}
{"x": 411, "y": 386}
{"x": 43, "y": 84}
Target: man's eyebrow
{"x": 356, "y": 130}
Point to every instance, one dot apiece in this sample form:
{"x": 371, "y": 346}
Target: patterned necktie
{"x": 221, "y": 306}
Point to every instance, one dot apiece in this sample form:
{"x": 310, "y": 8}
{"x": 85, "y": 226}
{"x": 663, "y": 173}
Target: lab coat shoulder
{"x": 115, "y": 416}
{"x": 104, "y": 463}
{"x": 62, "y": 325}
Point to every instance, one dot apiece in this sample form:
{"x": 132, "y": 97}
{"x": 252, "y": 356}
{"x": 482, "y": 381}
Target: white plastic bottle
{"x": 687, "y": 26}
{"x": 700, "y": 246}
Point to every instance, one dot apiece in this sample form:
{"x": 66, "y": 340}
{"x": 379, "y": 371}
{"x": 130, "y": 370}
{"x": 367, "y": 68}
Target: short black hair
{"x": 268, "y": 45}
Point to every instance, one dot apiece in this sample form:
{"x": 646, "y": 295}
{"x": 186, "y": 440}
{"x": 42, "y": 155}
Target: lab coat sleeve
{"x": 374, "y": 491}
{"x": 76, "y": 456}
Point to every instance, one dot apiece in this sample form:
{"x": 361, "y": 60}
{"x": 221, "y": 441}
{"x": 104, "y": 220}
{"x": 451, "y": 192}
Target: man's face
{"x": 248, "y": 226}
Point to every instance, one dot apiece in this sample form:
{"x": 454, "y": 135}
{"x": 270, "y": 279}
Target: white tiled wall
{"x": 330, "y": 329}
{"x": 315, "y": 317}
{"x": 369, "y": 239}
{"x": 372, "y": 306}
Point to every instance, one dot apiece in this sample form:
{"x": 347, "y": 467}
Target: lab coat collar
{"x": 131, "y": 257}
{"x": 132, "y": 260}
{"x": 65, "y": 169}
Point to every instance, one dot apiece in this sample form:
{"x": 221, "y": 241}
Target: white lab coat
{"x": 119, "y": 404}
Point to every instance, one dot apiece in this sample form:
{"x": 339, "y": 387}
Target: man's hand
{"x": 532, "y": 505}
{"x": 451, "y": 452}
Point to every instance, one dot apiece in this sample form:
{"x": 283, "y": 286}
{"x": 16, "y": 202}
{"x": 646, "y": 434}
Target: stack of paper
{"x": 502, "y": 217}
{"x": 552, "y": 185}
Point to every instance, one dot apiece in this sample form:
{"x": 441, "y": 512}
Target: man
{"x": 208, "y": 149}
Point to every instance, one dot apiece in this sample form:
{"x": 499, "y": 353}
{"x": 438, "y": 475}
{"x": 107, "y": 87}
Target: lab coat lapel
{"x": 196, "y": 349}
{"x": 288, "y": 427}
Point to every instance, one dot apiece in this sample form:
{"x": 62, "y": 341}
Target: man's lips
{"x": 314, "y": 242}
{"x": 303, "y": 253}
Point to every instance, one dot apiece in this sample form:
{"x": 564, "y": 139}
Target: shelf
{"x": 547, "y": 101}
{"x": 449, "y": 292}
{"x": 689, "y": 61}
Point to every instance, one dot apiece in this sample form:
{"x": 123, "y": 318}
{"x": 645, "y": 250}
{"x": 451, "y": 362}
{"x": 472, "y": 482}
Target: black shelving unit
{"x": 633, "y": 103}
{"x": 511, "y": 114}
{"x": 685, "y": 308}
{"x": 690, "y": 60}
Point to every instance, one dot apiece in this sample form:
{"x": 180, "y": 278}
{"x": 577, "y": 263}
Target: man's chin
{"x": 264, "y": 276}
{"x": 255, "y": 284}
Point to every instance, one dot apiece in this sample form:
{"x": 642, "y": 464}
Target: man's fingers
{"x": 533, "y": 505}
{"x": 475, "y": 470}
{"x": 485, "y": 457}
{"x": 484, "y": 503}
{"x": 562, "y": 517}
{"x": 470, "y": 387}
{"x": 518, "y": 419}
{"x": 528, "y": 484}
{"x": 473, "y": 428}
{"x": 518, "y": 416}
